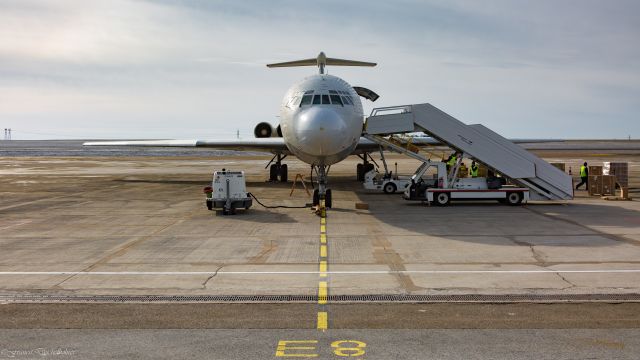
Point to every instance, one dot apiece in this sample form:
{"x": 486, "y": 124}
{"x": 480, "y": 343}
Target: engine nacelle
{"x": 265, "y": 130}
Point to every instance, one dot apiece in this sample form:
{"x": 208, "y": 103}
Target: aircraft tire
{"x": 284, "y": 173}
{"x": 273, "y": 172}
{"x": 327, "y": 199}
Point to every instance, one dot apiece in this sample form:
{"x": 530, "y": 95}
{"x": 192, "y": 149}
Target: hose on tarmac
{"x": 276, "y": 206}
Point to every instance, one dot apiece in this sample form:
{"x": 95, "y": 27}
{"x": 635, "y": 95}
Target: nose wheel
{"x": 322, "y": 192}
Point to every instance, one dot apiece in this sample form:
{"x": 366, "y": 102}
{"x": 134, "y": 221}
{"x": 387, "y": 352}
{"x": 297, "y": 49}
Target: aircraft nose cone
{"x": 322, "y": 131}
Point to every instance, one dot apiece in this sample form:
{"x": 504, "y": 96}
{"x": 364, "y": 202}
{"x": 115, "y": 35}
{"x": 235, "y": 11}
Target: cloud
{"x": 524, "y": 68}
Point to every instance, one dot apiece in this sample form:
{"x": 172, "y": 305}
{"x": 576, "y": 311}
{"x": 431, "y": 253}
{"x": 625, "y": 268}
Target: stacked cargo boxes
{"x": 595, "y": 170}
{"x": 618, "y": 169}
{"x": 602, "y": 185}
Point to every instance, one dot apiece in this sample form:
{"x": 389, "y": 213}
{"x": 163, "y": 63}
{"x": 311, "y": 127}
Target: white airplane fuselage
{"x": 321, "y": 119}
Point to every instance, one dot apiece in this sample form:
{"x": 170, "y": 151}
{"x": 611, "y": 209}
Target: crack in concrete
{"x": 539, "y": 258}
{"x": 123, "y": 249}
{"x": 204, "y": 284}
{"x": 614, "y": 237}
{"x": 571, "y": 285}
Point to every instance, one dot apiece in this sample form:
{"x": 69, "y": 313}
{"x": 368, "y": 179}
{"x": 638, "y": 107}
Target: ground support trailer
{"x": 228, "y": 191}
{"x": 373, "y": 180}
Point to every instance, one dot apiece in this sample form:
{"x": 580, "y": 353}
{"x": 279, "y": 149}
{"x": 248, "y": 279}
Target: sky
{"x": 125, "y": 69}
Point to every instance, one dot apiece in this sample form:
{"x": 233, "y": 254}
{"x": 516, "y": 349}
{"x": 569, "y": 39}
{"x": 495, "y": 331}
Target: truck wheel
{"x": 284, "y": 173}
{"x": 442, "y": 199}
{"x": 390, "y": 188}
{"x": 514, "y": 198}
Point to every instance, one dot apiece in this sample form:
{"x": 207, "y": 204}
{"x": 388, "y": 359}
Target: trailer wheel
{"x": 442, "y": 199}
{"x": 514, "y": 198}
{"x": 390, "y": 188}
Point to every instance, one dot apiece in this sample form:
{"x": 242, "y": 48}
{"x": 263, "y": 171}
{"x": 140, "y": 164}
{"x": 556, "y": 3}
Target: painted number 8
{"x": 356, "y": 348}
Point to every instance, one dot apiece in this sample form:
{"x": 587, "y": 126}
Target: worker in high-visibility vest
{"x": 451, "y": 160}
{"x": 584, "y": 176}
{"x": 474, "y": 169}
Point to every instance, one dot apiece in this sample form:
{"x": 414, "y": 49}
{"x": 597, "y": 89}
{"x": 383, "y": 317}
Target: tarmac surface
{"x": 114, "y": 225}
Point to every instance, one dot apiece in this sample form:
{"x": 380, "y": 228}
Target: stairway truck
{"x": 228, "y": 191}
{"x": 436, "y": 188}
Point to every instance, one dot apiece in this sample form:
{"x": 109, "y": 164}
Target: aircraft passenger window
{"x": 325, "y": 99}
{"x": 316, "y": 99}
{"x": 306, "y": 100}
{"x": 346, "y": 100}
{"x": 335, "y": 100}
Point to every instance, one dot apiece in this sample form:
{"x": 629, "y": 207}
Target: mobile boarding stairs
{"x": 544, "y": 181}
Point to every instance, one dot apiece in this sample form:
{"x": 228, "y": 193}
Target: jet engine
{"x": 265, "y": 130}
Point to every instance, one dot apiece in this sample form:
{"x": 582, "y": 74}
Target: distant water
{"x": 75, "y": 148}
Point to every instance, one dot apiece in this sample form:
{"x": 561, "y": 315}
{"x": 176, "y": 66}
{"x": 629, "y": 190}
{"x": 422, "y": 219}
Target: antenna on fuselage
{"x": 321, "y": 61}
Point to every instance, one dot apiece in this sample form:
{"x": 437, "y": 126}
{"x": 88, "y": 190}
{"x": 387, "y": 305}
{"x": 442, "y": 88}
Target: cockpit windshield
{"x": 333, "y": 98}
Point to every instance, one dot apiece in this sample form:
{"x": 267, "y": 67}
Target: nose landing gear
{"x": 322, "y": 192}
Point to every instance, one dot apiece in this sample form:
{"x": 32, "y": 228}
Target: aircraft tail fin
{"x": 321, "y": 61}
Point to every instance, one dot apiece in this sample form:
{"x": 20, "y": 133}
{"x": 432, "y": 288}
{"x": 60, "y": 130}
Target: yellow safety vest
{"x": 583, "y": 171}
{"x": 452, "y": 161}
{"x": 474, "y": 171}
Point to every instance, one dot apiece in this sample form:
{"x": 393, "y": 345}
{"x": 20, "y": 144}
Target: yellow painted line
{"x": 323, "y": 268}
{"x": 323, "y": 250}
{"x": 323, "y": 228}
{"x": 322, "y": 320}
{"x": 323, "y": 238}
{"x": 323, "y": 221}
{"x": 322, "y": 293}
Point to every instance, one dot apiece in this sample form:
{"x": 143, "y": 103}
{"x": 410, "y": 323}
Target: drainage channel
{"x": 472, "y": 298}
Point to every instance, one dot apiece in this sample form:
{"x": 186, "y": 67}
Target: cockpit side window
{"x": 308, "y": 92}
{"x": 345, "y": 99}
{"x": 306, "y": 100}
{"x": 325, "y": 99}
{"x": 335, "y": 100}
{"x": 316, "y": 99}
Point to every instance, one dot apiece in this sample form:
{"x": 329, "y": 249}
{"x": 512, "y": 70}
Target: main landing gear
{"x": 278, "y": 171}
{"x": 322, "y": 192}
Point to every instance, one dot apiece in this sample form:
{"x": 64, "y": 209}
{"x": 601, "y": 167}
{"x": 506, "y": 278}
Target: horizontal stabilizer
{"x": 343, "y": 62}
{"x": 321, "y": 61}
{"x": 305, "y": 62}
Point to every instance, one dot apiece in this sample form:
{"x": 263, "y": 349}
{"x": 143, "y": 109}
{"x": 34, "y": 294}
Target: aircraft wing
{"x": 272, "y": 145}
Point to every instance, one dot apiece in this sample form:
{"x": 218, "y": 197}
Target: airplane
{"x": 321, "y": 123}
{"x": 321, "y": 120}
